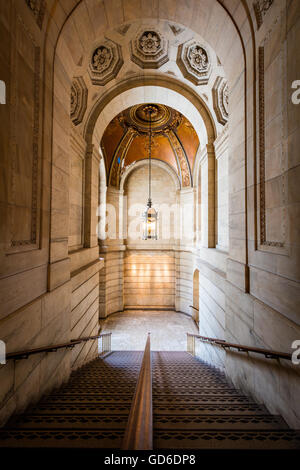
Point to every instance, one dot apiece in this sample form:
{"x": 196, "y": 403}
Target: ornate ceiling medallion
{"x": 194, "y": 62}
{"x": 79, "y": 94}
{"x": 105, "y": 62}
{"x": 162, "y": 117}
{"x": 149, "y": 49}
{"x": 220, "y": 99}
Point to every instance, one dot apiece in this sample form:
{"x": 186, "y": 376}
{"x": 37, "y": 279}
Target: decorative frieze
{"x": 119, "y": 155}
{"x": 38, "y": 8}
{"x": 105, "y": 62}
{"x": 194, "y": 61}
{"x": 79, "y": 94}
{"x": 260, "y": 9}
{"x": 149, "y": 49}
{"x": 220, "y": 94}
{"x": 182, "y": 161}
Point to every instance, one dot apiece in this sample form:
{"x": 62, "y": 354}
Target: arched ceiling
{"x": 126, "y": 141}
{"x": 153, "y": 50}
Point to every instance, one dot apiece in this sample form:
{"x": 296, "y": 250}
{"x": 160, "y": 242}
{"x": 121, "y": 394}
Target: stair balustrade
{"x": 268, "y": 353}
{"x": 105, "y": 347}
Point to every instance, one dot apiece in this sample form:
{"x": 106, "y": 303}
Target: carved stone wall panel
{"x": 149, "y": 49}
{"x": 25, "y": 171}
{"x": 79, "y": 95}
{"x": 273, "y": 163}
{"x": 220, "y": 94}
{"x": 76, "y": 190}
{"x": 105, "y": 63}
{"x": 182, "y": 161}
{"x": 194, "y": 61}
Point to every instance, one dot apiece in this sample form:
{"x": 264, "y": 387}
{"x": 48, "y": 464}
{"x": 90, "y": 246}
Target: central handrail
{"x": 106, "y": 345}
{"x": 139, "y": 429}
{"x": 268, "y": 353}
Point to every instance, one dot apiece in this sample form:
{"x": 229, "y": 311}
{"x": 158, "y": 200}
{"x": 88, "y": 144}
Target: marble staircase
{"x": 194, "y": 407}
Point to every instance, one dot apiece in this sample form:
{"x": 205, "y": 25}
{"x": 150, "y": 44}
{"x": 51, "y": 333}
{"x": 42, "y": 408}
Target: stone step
{"x": 198, "y": 400}
{"x": 105, "y": 389}
{"x": 192, "y": 391}
{"x": 226, "y": 439}
{"x": 64, "y": 398}
{"x": 70, "y": 421}
{"x": 195, "y": 407}
{"x": 209, "y": 422}
{"x": 81, "y": 408}
{"x": 54, "y": 438}
{"x": 221, "y": 409}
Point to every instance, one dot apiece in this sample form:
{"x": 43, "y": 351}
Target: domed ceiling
{"x": 126, "y": 140}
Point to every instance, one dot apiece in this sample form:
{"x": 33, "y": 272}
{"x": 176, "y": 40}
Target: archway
{"x": 168, "y": 86}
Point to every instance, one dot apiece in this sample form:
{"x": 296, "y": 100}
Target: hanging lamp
{"x": 150, "y": 215}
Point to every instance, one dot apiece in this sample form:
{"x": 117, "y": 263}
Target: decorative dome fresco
{"x": 126, "y": 140}
{"x": 162, "y": 117}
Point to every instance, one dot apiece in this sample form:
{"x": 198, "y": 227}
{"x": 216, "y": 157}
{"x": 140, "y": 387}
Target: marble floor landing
{"x": 168, "y": 330}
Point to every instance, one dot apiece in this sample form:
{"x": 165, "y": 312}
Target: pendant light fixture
{"x": 150, "y": 215}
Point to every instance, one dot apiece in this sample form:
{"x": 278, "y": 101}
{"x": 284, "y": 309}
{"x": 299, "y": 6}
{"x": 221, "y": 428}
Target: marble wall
{"x": 111, "y": 282}
{"x": 49, "y": 253}
{"x": 149, "y": 278}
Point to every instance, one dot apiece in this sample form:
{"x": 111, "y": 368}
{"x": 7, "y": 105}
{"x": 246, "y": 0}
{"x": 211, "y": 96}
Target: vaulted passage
{"x": 149, "y": 183}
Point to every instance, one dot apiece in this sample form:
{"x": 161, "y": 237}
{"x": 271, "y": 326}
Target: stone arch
{"x": 124, "y": 94}
{"x": 236, "y": 25}
{"x": 145, "y": 89}
{"x": 154, "y": 162}
{"x": 165, "y": 200}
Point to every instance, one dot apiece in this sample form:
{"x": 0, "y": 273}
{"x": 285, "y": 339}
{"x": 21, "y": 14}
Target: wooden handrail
{"x": 139, "y": 430}
{"x": 270, "y": 354}
{"x": 29, "y": 352}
